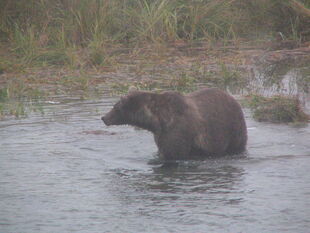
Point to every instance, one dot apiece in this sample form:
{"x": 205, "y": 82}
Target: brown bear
{"x": 204, "y": 123}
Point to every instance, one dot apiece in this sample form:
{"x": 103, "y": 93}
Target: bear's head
{"x": 147, "y": 110}
{"x": 132, "y": 109}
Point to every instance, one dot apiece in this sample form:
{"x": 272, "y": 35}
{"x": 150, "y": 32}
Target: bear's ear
{"x": 132, "y": 89}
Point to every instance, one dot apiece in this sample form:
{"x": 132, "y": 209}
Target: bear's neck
{"x": 145, "y": 120}
{"x": 146, "y": 126}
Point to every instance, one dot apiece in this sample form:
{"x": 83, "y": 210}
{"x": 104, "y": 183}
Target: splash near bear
{"x": 205, "y": 123}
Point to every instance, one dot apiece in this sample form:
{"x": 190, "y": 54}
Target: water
{"x": 291, "y": 83}
{"x": 67, "y": 172}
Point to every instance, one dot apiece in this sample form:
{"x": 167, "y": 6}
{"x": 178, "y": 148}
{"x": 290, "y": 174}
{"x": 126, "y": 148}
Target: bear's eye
{"x": 119, "y": 105}
{"x": 121, "y": 102}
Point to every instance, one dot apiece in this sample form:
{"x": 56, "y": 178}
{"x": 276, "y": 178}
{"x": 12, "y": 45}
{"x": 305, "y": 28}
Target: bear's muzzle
{"x": 106, "y": 121}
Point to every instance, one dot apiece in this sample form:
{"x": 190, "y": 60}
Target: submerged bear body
{"x": 205, "y": 123}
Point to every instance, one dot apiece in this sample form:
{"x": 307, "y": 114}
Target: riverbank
{"x": 99, "y": 48}
{"x": 241, "y": 68}
{"x": 174, "y": 66}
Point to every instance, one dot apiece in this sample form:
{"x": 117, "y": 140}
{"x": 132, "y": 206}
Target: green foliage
{"x": 80, "y": 82}
{"x": 53, "y": 57}
{"x": 224, "y": 77}
{"x": 183, "y": 83}
{"x": 7, "y": 65}
{"x": 3, "y": 94}
{"x": 16, "y": 98}
{"x": 18, "y": 89}
{"x": 153, "y": 20}
{"x": 32, "y": 24}
{"x": 229, "y": 77}
{"x": 97, "y": 53}
{"x": 276, "y": 109}
{"x": 24, "y": 43}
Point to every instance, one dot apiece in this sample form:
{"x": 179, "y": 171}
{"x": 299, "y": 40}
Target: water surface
{"x": 67, "y": 172}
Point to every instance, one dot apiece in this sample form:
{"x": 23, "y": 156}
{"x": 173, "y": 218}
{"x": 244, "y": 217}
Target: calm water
{"x": 66, "y": 171}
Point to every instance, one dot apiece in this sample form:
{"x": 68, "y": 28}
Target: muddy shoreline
{"x": 240, "y": 68}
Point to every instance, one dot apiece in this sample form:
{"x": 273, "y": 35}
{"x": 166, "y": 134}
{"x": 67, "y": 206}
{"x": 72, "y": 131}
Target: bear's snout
{"x": 105, "y": 121}
{"x": 110, "y": 118}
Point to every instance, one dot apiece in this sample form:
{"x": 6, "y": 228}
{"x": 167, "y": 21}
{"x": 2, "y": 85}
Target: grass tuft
{"x": 17, "y": 98}
{"x": 33, "y": 24}
{"x": 277, "y": 109}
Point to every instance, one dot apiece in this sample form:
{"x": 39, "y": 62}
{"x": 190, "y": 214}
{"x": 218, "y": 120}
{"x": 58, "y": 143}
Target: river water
{"x": 66, "y": 171}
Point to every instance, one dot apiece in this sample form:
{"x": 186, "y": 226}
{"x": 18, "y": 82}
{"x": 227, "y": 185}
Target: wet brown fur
{"x": 203, "y": 123}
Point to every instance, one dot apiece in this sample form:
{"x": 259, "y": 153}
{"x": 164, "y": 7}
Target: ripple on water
{"x": 66, "y": 172}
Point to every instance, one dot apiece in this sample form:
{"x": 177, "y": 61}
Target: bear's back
{"x": 222, "y": 117}
{"x": 214, "y": 102}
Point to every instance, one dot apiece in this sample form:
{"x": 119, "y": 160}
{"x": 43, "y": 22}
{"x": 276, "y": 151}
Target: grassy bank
{"x": 57, "y": 32}
{"x": 88, "y": 22}
{"x": 60, "y": 46}
{"x": 276, "y": 109}
{"x": 93, "y": 34}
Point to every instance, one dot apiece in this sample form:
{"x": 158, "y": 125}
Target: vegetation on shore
{"x": 82, "y": 39}
{"x": 13, "y": 97}
{"x": 276, "y": 109}
{"x": 80, "y": 32}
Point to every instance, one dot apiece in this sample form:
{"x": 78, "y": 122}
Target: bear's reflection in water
{"x": 195, "y": 177}
{"x": 210, "y": 177}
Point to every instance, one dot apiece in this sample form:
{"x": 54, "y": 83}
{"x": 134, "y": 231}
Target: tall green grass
{"x": 33, "y": 27}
